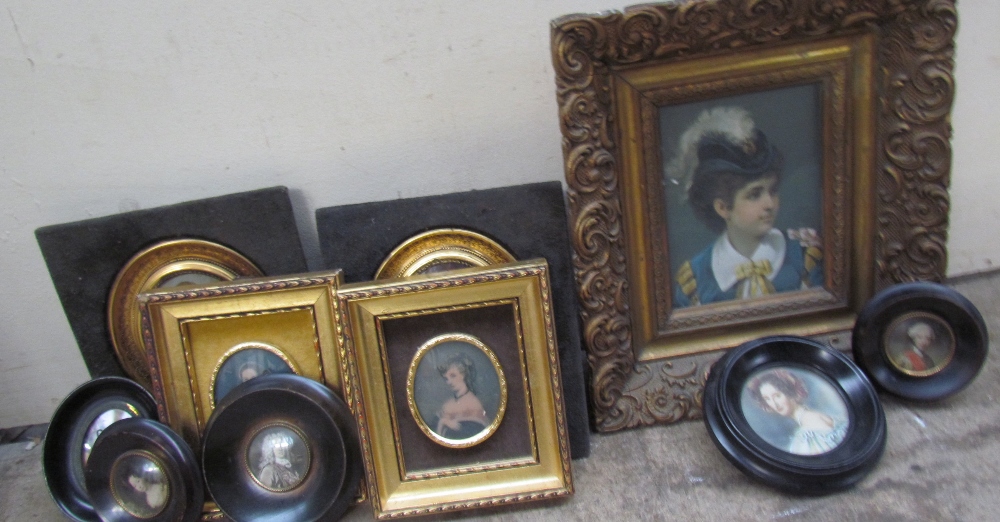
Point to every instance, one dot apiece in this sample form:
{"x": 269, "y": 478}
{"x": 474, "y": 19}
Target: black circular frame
{"x": 63, "y": 447}
{"x": 834, "y": 470}
{"x": 185, "y": 493}
{"x": 321, "y": 418}
{"x": 966, "y": 324}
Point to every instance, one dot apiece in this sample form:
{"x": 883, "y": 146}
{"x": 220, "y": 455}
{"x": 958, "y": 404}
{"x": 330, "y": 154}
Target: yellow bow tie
{"x": 753, "y": 280}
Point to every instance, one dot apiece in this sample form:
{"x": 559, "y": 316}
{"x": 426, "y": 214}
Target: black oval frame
{"x": 332, "y": 482}
{"x": 835, "y": 470}
{"x": 179, "y": 464}
{"x": 971, "y": 340}
{"x": 61, "y": 465}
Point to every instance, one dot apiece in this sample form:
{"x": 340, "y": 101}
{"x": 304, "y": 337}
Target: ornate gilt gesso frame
{"x": 521, "y": 452}
{"x": 885, "y": 73}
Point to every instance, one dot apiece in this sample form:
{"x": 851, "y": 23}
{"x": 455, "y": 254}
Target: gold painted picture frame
{"x": 874, "y": 83}
{"x": 194, "y": 336}
{"x": 164, "y": 264}
{"x": 515, "y": 451}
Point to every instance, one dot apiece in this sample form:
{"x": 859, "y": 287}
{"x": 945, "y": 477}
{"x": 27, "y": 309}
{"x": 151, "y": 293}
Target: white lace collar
{"x": 725, "y": 258}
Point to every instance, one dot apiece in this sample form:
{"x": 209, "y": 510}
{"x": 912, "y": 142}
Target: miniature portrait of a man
{"x": 278, "y": 458}
{"x": 919, "y": 343}
{"x": 246, "y": 363}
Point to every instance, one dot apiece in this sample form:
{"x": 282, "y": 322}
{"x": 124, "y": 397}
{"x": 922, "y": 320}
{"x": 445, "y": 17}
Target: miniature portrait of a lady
{"x": 780, "y": 392}
{"x": 462, "y": 415}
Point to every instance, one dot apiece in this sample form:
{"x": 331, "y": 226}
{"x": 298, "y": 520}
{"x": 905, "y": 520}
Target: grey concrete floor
{"x": 941, "y": 463}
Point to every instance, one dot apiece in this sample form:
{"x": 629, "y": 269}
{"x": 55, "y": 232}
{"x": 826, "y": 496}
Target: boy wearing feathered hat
{"x": 732, "y": 172}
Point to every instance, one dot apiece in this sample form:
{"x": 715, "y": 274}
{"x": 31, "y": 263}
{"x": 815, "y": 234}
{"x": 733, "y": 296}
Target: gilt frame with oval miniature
{"x": 503, "y": 312}
{"x": 884, "y": 83}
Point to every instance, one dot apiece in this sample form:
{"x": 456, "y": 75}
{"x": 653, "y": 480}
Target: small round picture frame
{"x": 141, "y": 470}
{"x": 73, "y": 431}
{"x": 282, "y": 447}
{"x": 920, "y": 341}
{"x": 795, "y": 414}
{"x": 456, "y": 390}
{"x": 439, "y": 250}
{"x": 170, "y": 263}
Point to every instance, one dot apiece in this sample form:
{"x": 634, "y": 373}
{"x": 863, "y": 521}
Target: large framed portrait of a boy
{"x": 737, "y": 172}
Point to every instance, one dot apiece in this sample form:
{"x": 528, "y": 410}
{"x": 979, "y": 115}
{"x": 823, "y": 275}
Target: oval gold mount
{"x": 166, "y": 264}
{"x": 474, "y": 400}
{"x": 442, "y": 249}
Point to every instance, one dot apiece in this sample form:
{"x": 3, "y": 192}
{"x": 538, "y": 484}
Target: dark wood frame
{"x": 895, "y": 215}
{"x": 836, "y": 469}
{"x": 970, "y": 340}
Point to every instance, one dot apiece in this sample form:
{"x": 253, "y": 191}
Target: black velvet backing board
{"x": 85, "y": 256}
{"x": 528, "y": 220}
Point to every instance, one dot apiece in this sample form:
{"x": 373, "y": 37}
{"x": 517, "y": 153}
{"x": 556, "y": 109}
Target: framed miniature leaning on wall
{"x": 204, "y": 341}
{"x": 456, "y": 388}
{"x": 736, "y": 172}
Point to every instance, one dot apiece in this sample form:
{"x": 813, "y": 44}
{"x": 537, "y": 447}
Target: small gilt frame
{"x": 878, "y": 79}
{"x": 517, "y": 448}
{"x": 195, "y": 336}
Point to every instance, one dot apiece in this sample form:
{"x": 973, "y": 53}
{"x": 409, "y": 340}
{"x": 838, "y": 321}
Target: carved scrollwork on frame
{"x": 905, "y": 212}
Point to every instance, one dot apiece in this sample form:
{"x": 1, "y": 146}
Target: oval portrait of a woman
{"x": 795, "y": 410}
{"x": 456, "y": 390}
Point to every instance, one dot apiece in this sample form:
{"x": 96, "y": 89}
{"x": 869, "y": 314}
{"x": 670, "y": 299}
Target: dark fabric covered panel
{"x": 84, "y": 257}
{"x": 528, "y": 220}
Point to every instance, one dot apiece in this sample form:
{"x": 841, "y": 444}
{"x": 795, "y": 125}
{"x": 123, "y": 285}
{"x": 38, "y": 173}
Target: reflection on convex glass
{"x": 278, "y": 458}
{"x": 139, "y": 484}
{"x": 190, "y": 278}
{"x": 100, "y": 424}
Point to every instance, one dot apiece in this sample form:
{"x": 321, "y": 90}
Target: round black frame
{"x": 334, "y": 473}
{"x": 835, "y": 470}
{"x": 61, "y": 463}
{"x": 174, "y": 456}
{"x": 964, "y": 319}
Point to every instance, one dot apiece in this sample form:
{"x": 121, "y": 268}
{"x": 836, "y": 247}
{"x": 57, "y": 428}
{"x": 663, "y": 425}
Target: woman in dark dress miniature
{"x": 461, "y": 416}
